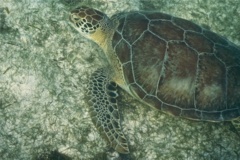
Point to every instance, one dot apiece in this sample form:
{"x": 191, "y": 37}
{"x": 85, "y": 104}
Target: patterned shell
{"x": 178, "y": 67}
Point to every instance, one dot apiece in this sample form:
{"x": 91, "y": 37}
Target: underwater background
{"x": 44, "y": 68}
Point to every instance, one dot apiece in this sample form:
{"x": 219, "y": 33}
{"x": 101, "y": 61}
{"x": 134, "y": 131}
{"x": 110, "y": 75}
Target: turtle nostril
{"x": 70, "y": 18}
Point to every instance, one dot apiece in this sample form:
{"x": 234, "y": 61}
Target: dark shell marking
{"x": 179, "y": 67}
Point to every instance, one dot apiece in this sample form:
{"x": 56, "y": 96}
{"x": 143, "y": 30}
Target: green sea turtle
{"x": 163, "y": 61}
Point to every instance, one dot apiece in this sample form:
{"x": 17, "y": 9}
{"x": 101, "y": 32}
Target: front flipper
{"x": 104, "y": 110}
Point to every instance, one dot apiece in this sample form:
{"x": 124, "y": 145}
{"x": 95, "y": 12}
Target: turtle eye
{"x": 76, "y": 19}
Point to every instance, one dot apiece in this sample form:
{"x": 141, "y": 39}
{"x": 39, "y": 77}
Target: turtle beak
{"x": 71, "y": 22}
{"x": 70, "y": 18}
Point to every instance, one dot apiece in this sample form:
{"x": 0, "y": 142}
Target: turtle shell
{"x": 177, "y": 66}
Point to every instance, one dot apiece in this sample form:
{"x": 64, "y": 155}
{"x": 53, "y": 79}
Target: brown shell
{"x": 179, "y": 67}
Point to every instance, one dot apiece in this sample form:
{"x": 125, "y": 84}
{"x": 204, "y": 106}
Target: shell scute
{"x": 133, "y": 28}
{"x": 182, "y": 59}
{"x": 128, "y": 72}
{"x": 166, "y": 30}
{"x": 187, "y": 25}
{"x": 153, "y": 61}
{"x": 198, "y": 42}
{"x": 124, "y": 51}
{"x": 121, "y": 24}
{"x": 192, "y": 114}
{"x": 179, "y": 75}
{"x": 157, "y": 16}
{"x": 153, "y": 101}
{"x": 233, "y": 86}
{"x": 176, "y": 111}
{"x": 231, "y": 113}
{"x": 227, "y": 54}
{"x": 212, "y": 116}
{"x": 215, "y": 38}
{"x": 211, "y": 84}
{"x": 140, "y": 92}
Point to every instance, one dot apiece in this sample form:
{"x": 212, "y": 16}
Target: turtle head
{"x": 91, "y": 23}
